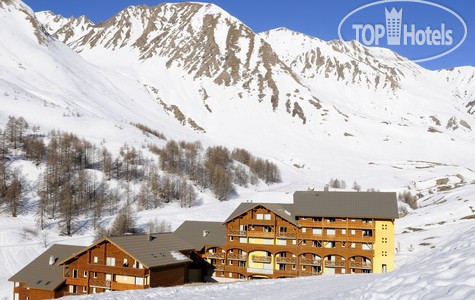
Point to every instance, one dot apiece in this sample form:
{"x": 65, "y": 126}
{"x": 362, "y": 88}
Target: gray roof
{"x": 40, "y": 275}
{"x": 192, "y": 232}
{"x": 346, "y": 204}
{"x": 162, "y": 250}
{"x": 284, "y": 210}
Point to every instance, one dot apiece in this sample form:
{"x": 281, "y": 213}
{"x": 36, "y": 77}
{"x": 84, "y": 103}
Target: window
{"x": 384, "y": 240}
{"x": 260, "y": 216}
{"x": 231, "y": 238}
{"x": 230, "y": 275}
{"x": 94, "y": 290}
{"x": 230, "y": 262}
{"x": 343, "y": 271}
{"x": 267, "y": 216}
{"x": 108, "y": 277}
{"x": 353, "y": 245}
{"x": 343, "y": 231}
{"x": 331, "y": 220}
{"x": 367, "y": 233}
{"x": 330, "y": 245}
{"x": 243, "y": 227}
{"x": 85, "y": 274}
{"x": 304, "y": 242}
{"x": 317, "y": 244}
{"x": 353, "y": 232}
{"x": 243, "y": 240}
{"x": 304, "y": 230}
{"x": 384, "y": 253}
{"x": 282, "y": 229}
{"x": 317, "y": 231}
{"x": 317, "y": 219}
{"x": 267, "y": 229}
{"x": 84, "y": 289}
{"x": 353, "y": 220}
{"x": 331, "y": 231}
{"x": 139, "y": 280}
{"x": 137, "y": 265}
{"x": 294, "y": 242}
{"x": 95, "y": 275}
{"x": 281, "y": 242}
{"x": 96, "y": 259}
{"x": 73, "y": 289}
{"x": 110, "y": 261}
{"x": 75, "y": 273}
{"x": 125, "y": 263}
{"x": 368, "y": 221}
{"x": 367, "y": 246}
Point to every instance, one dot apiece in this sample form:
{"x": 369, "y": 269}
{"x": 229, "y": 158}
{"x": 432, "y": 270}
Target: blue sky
{"x": 318, "y": 18}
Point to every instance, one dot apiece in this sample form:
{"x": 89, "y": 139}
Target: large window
{"x": 75, "y": 273}
{"x": 110, "y": 261}
{"x": 331, "y": 231}
{"x": 260, "y": 216}
{"x": 317, "y": 231}
{"x": 267, "y": 217}
{"x": 96, "y": 259}
{"x": 73, "y": 289}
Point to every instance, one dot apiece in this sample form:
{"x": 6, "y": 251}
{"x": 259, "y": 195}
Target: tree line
{"x": 82, "y": 180}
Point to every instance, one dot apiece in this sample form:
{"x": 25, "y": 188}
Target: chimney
{"x": 52, "y": 260}
{"x": 205, "y": 233}
{"x": 149, "y": 236}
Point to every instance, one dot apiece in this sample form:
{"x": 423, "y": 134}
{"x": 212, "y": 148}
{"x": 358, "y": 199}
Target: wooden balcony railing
{"x": 338, "y": 238}
{"x": 286, "y": 272}
{"x": 218, "y": 268}
{"x": 334, "y": 263}
{"x": 126, "y": 286}
{"x": 261, "y": 259}
{"x": 286, "y": 260}
{"x": 116, "y": 270}
{"x": 99, "y": 283}
{"x": 235, "y": 256}
{"x": 339, "y": 224}
{"x": 77, "y": 281}
{"x": 309, "y": 273}
{"x": 286, "y": 235}
{"x": 215, "y": 255}
{"x": 257, "y": 222}
{"x": 260, "y": 271}
{"x": 236, "y": 232}
{"x": 310, "y": 262}
{"x": 360, "y": 265}
{"x": 260, "y": 234}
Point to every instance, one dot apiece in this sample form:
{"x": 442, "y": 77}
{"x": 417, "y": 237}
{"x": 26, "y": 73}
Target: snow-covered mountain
{"x": 318, "y": 109}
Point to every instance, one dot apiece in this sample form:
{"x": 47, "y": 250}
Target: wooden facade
{"x": 106, "y": 267}
{"x": 262, "y": 244}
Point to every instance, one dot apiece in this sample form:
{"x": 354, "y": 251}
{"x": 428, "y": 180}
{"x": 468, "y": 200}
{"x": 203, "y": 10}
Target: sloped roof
{"x": 283, "y": 210}
{"x": 192, "y": 232}
{"x": 346, "y": 204}
{"x": 40, "y": 275}
{"x": 159, "y": 251}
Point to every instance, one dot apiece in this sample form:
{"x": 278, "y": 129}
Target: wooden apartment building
{"x": 112, "y": 264}
{"x": 320, "y": 233}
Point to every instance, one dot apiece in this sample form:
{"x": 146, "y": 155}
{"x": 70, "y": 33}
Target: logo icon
{"x": 393, "y": 26}
{"x": 436, "y": 36}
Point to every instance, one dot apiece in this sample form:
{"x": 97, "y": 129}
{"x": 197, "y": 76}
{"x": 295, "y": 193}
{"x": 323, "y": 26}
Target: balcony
{"x": 218, "y": 268}
{"x": 236, "y": 233}
{"x": 235, "y": 256}
{"x": 235, "y": 269}
{"x": 309, "y": 273}
{"x": 98, "y": 283}
{"x": 284, "y": 273}
{"x": 116, "y": 270}
{"x": 361, "y": 265}
{"x": 215, "y": 255}
{"x": 310, "y": 262}
{"x": 260, "y": 271}
{"x": 260, "y": 234}
{"x": 286, "y": 260}
{"x": 286, "y": 235}
{"x": 262, "y": 259}
{"x": 127, "y": 286}
{"x": 76, "y": 281}
{"x": 335, "y": 264}
{"x": 336, "y": 224}
{"x": 257, "y": 222}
